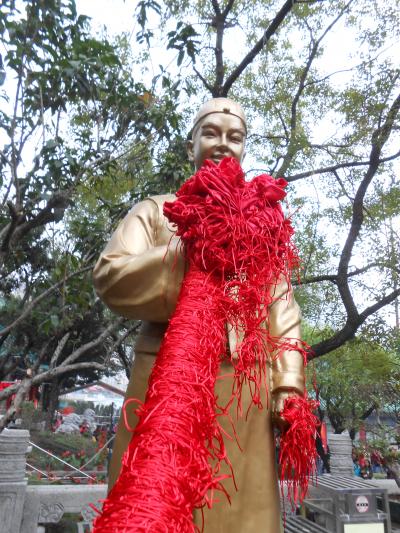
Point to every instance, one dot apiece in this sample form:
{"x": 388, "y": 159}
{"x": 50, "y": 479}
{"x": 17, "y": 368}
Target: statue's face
{"x": 216, "y": 136}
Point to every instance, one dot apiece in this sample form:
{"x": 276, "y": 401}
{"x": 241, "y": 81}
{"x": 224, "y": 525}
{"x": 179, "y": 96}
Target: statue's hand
{"x": 278, "y": 400}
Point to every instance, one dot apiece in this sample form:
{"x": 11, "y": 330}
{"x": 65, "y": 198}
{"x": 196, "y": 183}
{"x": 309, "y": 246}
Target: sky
{"x": 116, "y": 15}
{"x": 341, "y": 49}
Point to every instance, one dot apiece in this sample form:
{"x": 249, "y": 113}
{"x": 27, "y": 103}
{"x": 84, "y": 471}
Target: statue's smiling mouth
{"x": 218, "y": 157}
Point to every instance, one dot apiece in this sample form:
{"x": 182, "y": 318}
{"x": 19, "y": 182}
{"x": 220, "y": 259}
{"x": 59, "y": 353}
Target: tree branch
{"x": 379, "y": 138}
{"x": 59, "y": 349}
{"x": 252, "y": 54}
{"x": 389, "y": 298}
{"x": 203, "y": 80}
{"x": 350, "y": 328}
{"x": 292, "y": 148}
{"x": 28, "y": 308}
{"x": 60, "y": 370}
{"x": 16, "y": 218}
{"x": 219, "y": 23}
{"x": 92, "y": 344}
{"x": 69, "y": 364}
{"x": 228, "y": 8}
{"x": 331, "y": 168}
{"x": 59, "y": 200}
{"x": 333, "y": 277}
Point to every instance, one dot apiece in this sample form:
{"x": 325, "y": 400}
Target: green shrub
{"x": 30, "y": 416}
{"x": 75, "y": 449}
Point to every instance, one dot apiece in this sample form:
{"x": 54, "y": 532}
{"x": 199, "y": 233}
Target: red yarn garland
{"x": 173, "y": 459}
{"x": 237, "y": 243}
{"x": 297, "y": 450}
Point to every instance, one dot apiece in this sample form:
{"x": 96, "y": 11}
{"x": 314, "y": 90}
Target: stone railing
{"x": 24, "y": 508}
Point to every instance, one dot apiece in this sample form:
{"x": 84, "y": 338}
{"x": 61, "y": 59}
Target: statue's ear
{"x": 189, "y": 150}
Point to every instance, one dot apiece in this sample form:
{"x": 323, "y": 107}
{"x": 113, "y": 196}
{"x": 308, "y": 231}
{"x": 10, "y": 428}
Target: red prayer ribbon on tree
{"x": 237, "y": 243}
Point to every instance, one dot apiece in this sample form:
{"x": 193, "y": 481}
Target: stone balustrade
{"x": 24, "y": 508}
{"x": 13, "y": 448}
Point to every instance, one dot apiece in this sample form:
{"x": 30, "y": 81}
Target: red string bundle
{"x": 237, "y": 244}
{"x": 297, "y": 451}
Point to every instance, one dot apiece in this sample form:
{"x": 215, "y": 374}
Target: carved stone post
{"x": 340, "y": 450}
{"x": 13, "y": 448}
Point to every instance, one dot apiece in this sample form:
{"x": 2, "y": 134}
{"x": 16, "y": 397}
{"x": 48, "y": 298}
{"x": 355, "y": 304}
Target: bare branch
{"x": 59, "y": 349}
{"x": 331, "y": 168}
{"x": 92, "y": 344}
{"x": 379, "y": 138}
{"x": 262, "y": 43}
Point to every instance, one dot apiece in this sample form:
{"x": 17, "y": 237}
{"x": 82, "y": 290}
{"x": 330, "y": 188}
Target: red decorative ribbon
{"x": 297, "y": 450}
{"x": 237, "y": 244}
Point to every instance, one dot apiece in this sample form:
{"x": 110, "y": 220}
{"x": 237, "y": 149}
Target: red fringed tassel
{"x": 237, "y": 243}
{"x": 297, "y": 455}
{"x": 173, "y": 458}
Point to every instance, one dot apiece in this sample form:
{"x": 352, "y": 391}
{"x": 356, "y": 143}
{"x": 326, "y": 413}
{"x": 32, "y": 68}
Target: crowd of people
{"x": 366, "y": 466}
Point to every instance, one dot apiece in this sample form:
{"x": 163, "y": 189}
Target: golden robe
{"x": 139, "y": 276}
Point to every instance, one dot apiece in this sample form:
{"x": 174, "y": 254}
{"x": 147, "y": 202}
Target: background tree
{"x": 101, "y": 141}
{"x": 353, "y": 382}
{"x": 79, "y": 136}
{"x": 282, "y": 78}
{"x": 332, "y": 133}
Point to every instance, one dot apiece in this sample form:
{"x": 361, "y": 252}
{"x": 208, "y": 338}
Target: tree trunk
{"x": 52, "y": 405}
{"x": 336, "y": 421}
{"x": 394, "y": 472}
{"x": 17, "y": 402}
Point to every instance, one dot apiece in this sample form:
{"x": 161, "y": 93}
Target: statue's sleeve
{"x": 134, "y": 276}
{"x": 284, "y": 322}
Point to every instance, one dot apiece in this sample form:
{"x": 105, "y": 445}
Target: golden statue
{"x": 139, "y": 274}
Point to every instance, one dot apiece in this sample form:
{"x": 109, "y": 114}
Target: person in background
{"x": 366, "y": 470}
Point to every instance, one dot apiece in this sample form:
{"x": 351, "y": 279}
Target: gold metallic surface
{"x": 139, "y": 276}
{"x": 219, "y": 131}
{"x": 220, "y": 105}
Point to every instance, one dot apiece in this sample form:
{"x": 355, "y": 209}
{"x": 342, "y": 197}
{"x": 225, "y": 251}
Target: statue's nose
{"x": 223, "y": 142}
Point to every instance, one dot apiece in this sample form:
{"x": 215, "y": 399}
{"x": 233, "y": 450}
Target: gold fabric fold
{"x": 284, "y": 321}
{"x": 141, "y": 269}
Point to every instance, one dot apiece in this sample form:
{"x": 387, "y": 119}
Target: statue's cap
{"x": 220, "y": 105}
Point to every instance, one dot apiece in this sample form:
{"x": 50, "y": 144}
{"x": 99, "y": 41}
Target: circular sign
{"x": 362, "y": 504}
